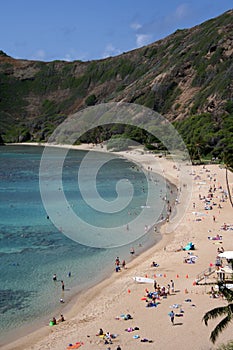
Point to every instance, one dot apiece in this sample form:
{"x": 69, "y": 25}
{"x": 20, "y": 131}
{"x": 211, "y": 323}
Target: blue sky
{"x": 93, "y": 29}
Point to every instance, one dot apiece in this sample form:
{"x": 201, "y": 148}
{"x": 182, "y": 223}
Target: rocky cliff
{"x": 188, "y": 73}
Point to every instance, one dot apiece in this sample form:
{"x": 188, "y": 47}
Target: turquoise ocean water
{"x": 32, "y": 248}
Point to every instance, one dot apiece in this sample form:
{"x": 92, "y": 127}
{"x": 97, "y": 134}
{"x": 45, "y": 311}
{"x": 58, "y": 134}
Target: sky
{"x": 48, "y": 30}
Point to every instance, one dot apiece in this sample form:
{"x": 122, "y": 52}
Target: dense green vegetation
{"x": 207, "y": 136}
{"x": 186, "y": 77}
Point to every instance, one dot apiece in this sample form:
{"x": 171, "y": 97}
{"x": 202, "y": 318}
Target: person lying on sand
{"x": 216, "y": 238}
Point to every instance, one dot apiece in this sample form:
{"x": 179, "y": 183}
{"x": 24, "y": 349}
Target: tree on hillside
{"x": 226, "y": 311}
{"x": 228, "y": 160}
{"x": 194, "y": 153}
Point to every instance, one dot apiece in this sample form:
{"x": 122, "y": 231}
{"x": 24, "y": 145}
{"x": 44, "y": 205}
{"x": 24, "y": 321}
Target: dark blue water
{"x": 33, "y": 248}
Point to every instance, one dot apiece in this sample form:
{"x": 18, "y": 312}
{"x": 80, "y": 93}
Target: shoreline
{"x": 78, "y": 302}
{"x": 85, "y": 319}
{"x": 26, "y": 331}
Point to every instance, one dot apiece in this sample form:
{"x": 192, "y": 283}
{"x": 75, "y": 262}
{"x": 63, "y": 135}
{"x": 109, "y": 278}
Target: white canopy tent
{"x": 227, "y": 255}
{"x": 225, "y": 269}
{"x": 228, "y": 285}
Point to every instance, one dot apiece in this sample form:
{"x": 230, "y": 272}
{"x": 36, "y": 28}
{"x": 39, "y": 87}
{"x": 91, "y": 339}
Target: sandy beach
{"x": 104, "y": 305}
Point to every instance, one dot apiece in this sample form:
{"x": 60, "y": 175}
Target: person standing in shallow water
{"x": 132, "y": 251}
{"x": 117, "y": 264}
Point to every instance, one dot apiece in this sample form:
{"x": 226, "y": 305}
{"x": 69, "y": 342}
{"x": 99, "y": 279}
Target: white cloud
{"x": 110, "y": 50}
{"x": 39, "y": 55}
{"x": 135, "y": 26}
{"x": 181, "y": 11}
{"x": 143, "y": 39}
{"x": 73, "y": 55}
{"x": 68, "y": 57}
{"x": 162, "y": 26}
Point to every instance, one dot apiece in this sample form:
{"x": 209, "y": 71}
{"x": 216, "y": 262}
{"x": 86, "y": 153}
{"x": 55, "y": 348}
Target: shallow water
{"x": 32, "y": 248}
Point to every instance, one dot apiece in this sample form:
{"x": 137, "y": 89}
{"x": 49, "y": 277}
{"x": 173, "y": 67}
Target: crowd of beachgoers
{"x": 179, "y": 275}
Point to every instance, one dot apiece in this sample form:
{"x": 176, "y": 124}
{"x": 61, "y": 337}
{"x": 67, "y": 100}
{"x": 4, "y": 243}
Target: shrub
{"x": 91, "y": 100}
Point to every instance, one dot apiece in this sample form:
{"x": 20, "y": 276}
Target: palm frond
{"x": 227, "y": 346}
{"x": 219, "y": 328}
{"x": 226, "y": 292}
{"x": 230, "y": 306}
{"x": 214, "y": 313}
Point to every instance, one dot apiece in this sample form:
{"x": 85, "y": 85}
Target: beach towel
{"x": 189, "y": 246}
{"x": 145, "y": 340}
{"x": 126, "y": 316}
{"x": 175, "y": 306}
{"x": 75, "y": 346}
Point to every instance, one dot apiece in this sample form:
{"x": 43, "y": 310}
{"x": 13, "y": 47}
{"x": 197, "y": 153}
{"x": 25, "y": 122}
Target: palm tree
{"x": 228, "y": 160}
{"x": 228, "y": 346}
{"x": 228, "y": 187}
{"x": 221, "y": 311}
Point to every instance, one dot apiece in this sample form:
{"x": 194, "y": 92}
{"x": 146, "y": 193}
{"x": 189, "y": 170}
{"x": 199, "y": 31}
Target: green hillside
{"x": 187, "y": 77}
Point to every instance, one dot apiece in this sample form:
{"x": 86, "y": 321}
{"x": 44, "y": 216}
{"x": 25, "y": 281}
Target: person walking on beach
{"x": 172, "y": 316}
{"x": 62, "y": 285}
{"x": 172, "y": 286}
{"x": 168, "y": 289}
{"x": 155, "y": 285}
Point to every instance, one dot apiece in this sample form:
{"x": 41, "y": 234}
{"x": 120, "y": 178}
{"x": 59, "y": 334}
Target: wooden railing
{"x": 206, "y": 273}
